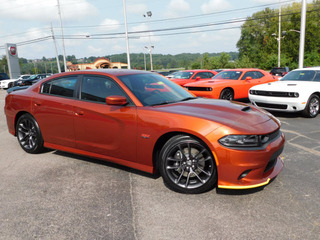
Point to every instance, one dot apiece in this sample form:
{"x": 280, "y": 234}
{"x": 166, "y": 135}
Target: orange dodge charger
{"x": 230, "y": 84}
{"x": 122, "y": 116}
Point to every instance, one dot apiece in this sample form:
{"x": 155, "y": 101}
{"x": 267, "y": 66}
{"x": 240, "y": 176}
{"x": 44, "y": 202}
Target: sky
{"x": 97, "y": 27}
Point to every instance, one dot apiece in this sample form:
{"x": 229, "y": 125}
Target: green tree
{"x": 195, "y": 65}
{"x": 206, "y": 61}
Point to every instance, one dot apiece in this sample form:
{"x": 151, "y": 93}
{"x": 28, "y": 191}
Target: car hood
{"x": 288, "y": 86}
{"x": 236, "y": 115}
{"x": 209, "y": 83}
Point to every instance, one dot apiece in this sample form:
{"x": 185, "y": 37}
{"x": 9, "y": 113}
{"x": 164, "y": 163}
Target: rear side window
{"x": 253, "y": 75}
{"x": 64, "y": 87}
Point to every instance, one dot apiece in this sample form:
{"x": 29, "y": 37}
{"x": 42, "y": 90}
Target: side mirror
{"x": 116, "y": 100}
{"x": 248, "y": 78}
{"x": 198, "y": 78}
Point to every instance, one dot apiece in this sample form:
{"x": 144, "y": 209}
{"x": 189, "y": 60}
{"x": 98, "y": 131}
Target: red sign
{"x": 13, "y": 50}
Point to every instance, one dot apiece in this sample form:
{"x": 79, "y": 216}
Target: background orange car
{"x": 230, "y": 84}
{"x": 189, "y": 76}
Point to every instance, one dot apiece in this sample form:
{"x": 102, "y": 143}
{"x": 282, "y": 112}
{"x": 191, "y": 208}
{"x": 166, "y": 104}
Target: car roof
{"x": 114, "y": 72}
{"x": 243, "y": 69}
{"x": 308, "y": 68}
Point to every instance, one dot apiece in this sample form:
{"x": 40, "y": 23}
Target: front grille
{"x": 199, "y": 88}
{"x": 270, "y": 105}
{"x": 274, "y": 94}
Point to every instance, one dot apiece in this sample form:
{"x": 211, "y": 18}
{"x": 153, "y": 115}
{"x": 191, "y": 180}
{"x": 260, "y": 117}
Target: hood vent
{"x": 246, "y": 109}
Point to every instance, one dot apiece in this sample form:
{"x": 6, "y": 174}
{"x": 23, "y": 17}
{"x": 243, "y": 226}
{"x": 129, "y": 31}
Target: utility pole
{"x": 302, "y": 32}
{"x": 55, "y": 46}
{"x": 279, "y": 37}
{"x": 64, "y": 50}
{"x": 148, "y": 16}
{"x": 126, "y": 27}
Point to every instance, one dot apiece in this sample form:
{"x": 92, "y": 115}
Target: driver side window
{"x": 97, "y": 89}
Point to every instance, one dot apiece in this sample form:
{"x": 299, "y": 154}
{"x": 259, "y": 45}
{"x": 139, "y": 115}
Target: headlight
{"x": 243, "y": 140}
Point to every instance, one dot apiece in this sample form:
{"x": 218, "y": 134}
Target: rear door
{"x": 54, "y": 111}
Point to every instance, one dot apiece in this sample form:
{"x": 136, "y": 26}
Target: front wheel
{"x": 226, "y": 94}
{"x": 187, "y": 165}
{"x": 29, "y": 135}
{"x": 312, "y": 108}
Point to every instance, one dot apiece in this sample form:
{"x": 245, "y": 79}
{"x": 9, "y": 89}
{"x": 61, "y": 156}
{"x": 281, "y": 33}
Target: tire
{"x": 10, "y": 85}
{"x": 312, "y": 108}
{"x": 29, "y": 134}
{"x": 185, "y": 174}
{"x": 226, "y": 94}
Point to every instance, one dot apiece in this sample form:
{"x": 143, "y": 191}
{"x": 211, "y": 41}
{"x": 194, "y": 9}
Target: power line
{"x": 121, "y": 34}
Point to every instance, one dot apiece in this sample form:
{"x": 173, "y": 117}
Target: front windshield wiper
{"x": 187, "y": 98}
{"x": 163, "y": 103}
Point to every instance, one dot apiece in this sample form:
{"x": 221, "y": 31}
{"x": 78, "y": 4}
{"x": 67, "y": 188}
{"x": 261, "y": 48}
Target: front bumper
{"x": 243, "y": 169}
{"x": 278, "y": 104}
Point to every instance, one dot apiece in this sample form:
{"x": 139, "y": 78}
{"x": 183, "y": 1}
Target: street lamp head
{"x": 273, "y": 34}
{"x": 149, "y": 13}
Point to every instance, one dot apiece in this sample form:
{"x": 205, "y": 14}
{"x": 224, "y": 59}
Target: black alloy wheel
{"x": 312, "y": 108}
{"x": 187, "y": 165}
{"x": 226, "y": 94}
{"x": 29, "y": 135}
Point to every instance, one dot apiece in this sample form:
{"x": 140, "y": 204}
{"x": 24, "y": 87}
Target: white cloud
{"x": 36, "y": 10}
{"x": 109, "y": 24}
{"x": 177, "y": 8}
{"x": 137, "y": 8}
{"x": 215, "y": 5}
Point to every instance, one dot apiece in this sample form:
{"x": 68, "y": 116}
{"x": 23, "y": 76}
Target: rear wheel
{"x": 187, "y": 165}
{"x": 29, "y": 135}
{"x": 313, "y": 106}
{"x": 227, "y": 94}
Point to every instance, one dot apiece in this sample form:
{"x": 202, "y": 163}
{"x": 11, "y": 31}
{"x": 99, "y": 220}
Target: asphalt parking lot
{"x": 56, "y": 195}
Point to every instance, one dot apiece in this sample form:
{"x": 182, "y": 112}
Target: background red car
{"x": 189, "y": 76}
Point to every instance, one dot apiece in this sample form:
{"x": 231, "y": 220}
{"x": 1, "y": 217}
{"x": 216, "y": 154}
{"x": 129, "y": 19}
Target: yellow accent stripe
{"x": 245, "y": 187}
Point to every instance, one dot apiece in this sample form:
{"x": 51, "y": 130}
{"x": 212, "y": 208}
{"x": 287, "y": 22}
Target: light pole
{"x": 127, "y": 39}
{"x": 145, "y": 63}
{"x": 279, "y": 44}
{"x": 149, "y": 14}
{"x": 302, "y": 32}
{"x": 63, "y": 47}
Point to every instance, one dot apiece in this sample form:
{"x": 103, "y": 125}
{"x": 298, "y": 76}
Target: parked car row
{"x": 23, "y": 80}
{"x": 297, "y": 91}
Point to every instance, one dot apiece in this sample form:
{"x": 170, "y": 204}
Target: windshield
{"x": 153, "y": 89}
{"x": 231, "y": 75}
{"x": 302, "y": 75}
{"x": 183, "y": 75}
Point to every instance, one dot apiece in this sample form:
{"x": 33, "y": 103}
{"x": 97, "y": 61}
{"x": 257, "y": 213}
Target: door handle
{"x": 37, "y": 104}
{"x": 79, "y": 113}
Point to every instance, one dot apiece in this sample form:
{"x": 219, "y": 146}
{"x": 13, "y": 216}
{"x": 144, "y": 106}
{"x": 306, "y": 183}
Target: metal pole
{"x": 150, "y": 48}
{"x": 302, "y": 32}
{"x": 55, "y": 46}
{"x": 145, "y": 63}
{"x": 64, "y": 49}
{"x": 126, "y": 27}
{"x": 279, "y": 37}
